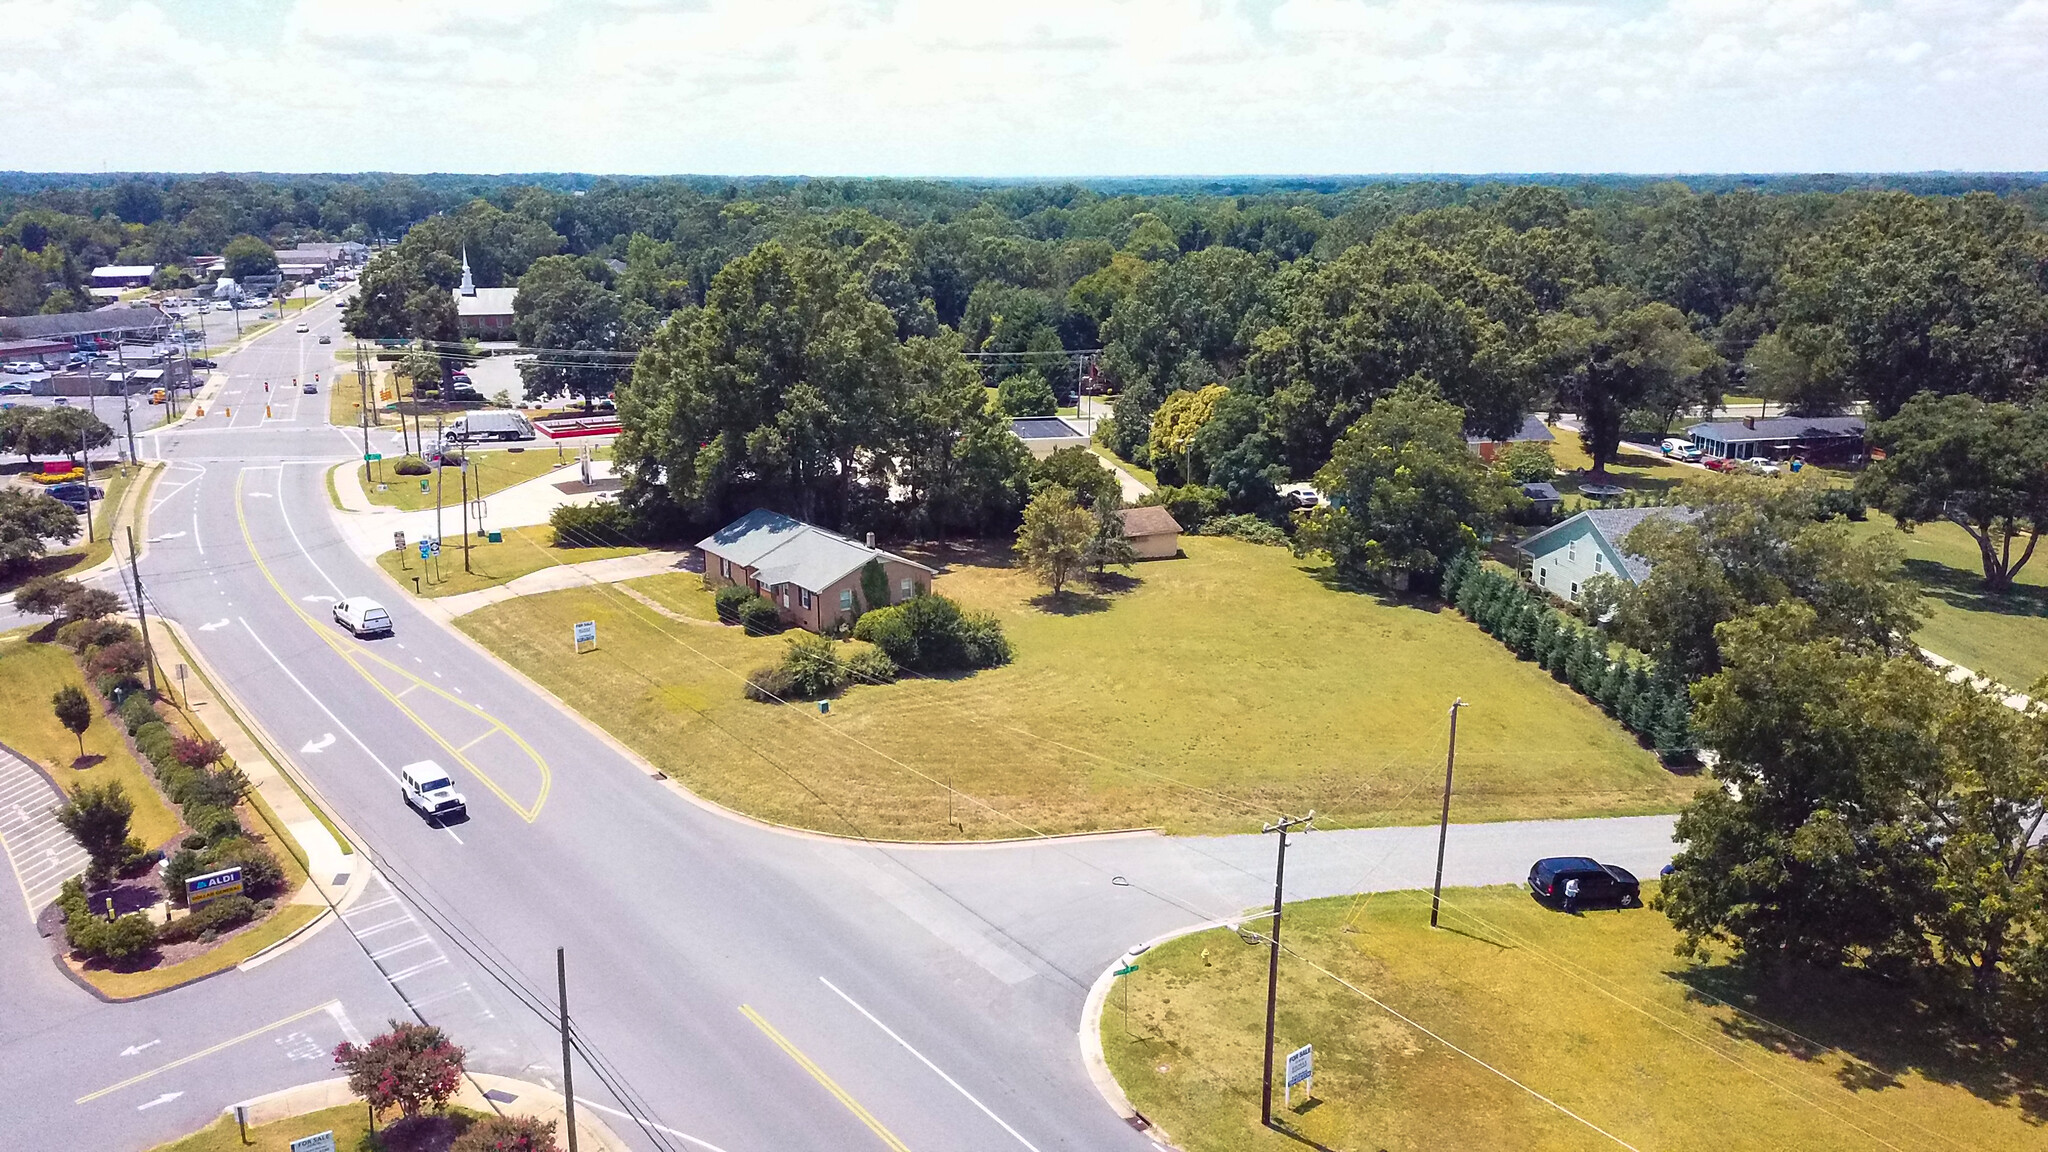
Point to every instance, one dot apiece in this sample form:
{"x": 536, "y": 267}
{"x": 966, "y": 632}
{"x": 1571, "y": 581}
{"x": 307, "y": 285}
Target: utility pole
{"x": 568, "y": 1083}
{"x": 1443, "y": 828}
{"x": 465, "y": 514}
{"x": 85, "y": 454}
{"x": 1285, "y": 825}
{"x": 127, "y": 395}
{"x": 141, "y": 612}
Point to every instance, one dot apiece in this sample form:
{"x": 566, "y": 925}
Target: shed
{"x": 1044, "y": 435}
{"x": 1154, "y": 533}
{"x": 1544, "y": 495}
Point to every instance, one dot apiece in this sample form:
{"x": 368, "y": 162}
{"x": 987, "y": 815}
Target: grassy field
{"x": 2003, "y": 636}
{"x": 350, "y": 1124}
{"x": 491, "y": 471}
{"x": 1628, "y": 470}
{"x": 1592, "y": 1011}
{"x": 524, "y": 550}
{"x": 1144, "y": 474}
{"x": 1211, "y": 693}
{"x": 29, "y": 675}
{"x": 345, "y": 394}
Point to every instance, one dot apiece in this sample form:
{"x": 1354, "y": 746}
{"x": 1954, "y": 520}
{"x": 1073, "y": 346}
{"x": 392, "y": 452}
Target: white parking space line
{"x": 42, "y": 853}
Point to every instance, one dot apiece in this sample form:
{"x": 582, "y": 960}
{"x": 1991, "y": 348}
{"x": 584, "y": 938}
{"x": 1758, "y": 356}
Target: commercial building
{"x": 123, "y": 275}
{"x": 812, "y": 575}
{"x": 100, "y": 327}
{"x": 1043, "y": 435}
{"x": 1780, "y": 437}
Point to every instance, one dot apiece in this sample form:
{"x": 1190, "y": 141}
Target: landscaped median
{"x": 490, "y": 472}
{"x": 1201, "y": 695}
{"x": 522, "y": 551}
{"x": 1518, "y": 1027}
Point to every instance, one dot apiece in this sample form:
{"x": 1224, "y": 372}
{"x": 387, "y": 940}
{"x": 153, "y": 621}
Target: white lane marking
{"x": 164, "y": 537}
{"x": 289, "y": 527}
{"x": 451, "y": 834}
{"x": 317, "y": 599}
{"x": 584, "y": 1103}
{"x": 927, "y": 1063}
{"x": 166, "y": 1098}
{"x": 196, "y": 541}
{"x": 374, "y": 758}
{"x": 320, "y": 745}
{"x": 137, "y": 1049}
{"x": 265, "y": 495}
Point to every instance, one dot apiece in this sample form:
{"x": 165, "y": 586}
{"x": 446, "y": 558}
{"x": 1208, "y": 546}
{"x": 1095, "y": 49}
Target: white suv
{"x": 429, "y": 791}
{"x": 361, "y": 616}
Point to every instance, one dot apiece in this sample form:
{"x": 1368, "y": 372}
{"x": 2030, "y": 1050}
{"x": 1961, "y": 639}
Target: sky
{"x": 1022, "y": 89}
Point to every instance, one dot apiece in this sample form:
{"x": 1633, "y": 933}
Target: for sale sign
{"x": 200, "y": 889}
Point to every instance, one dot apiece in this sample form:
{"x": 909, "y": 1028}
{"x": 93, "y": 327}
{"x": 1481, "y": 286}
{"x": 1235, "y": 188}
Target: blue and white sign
{"x": 200, "y": 889}
{"x": 318, "y": 1142}
{"x": 586, "y": 633}
{"x": 1301, "y": 1068}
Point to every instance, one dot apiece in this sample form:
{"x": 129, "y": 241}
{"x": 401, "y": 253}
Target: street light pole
{"x": 1285, "y": 825}
{"x": 1443, "y": 828}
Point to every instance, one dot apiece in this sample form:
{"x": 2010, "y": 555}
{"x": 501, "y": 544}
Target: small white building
{"x": 1563, "y": 557}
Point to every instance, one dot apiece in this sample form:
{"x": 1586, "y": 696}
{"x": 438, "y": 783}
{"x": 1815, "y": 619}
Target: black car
{"x": 1598, "y": 885}
{"x": 203, "y": 362}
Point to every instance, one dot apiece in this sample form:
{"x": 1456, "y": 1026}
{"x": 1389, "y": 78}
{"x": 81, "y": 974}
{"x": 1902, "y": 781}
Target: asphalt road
{"x": 744, "y": 989}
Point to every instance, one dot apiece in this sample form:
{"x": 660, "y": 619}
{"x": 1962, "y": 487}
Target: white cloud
{"x": 1048, "y": 87}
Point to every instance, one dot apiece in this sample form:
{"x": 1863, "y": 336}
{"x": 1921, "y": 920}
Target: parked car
{"x": 22, "y": 367}
{"x": 326, "y": 339}
{"x": 1761, "y": 466}
{"x": 458, "y": 377}
{"x": 430, "y": 793}
{"x": 203, "y": 362}
{"x": 75, "y": 494}
{"x": 1552, "y": 881}
{"x": 14, "y": 388}
{"x": 362, "y": 616}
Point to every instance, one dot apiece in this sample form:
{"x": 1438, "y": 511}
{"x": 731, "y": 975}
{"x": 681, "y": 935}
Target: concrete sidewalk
{"x": 332, "y": 871}
{"x": 480, "y": 1092}
{"x": 558, "y": 577}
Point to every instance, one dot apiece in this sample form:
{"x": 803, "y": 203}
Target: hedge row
{"x": 205, "y": 794}
{"x": 1648, "y": 701}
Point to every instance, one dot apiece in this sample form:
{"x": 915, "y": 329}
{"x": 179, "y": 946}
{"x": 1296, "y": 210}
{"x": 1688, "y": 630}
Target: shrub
{"x": 813, "y": 666}
{"x": 1528, "y": 462}
{"x": 605, "y": 524}
{"x": 194, "y": 752}
{"x": 1192, "y": 504}
{"x": 760, "y": 617}
{"x": 220, "y": 914}
{"x": 118, "y": 686}
{"x": 928, "y": 633}
{"x": 154, "y": 740}
{"x": 888, "y": 629}
{"x": 507, "y": 1134}
{"x": 121, "y": 659}
{"x": 411, "y": 466}
{"x": 261, "y": 875}
{"x": 728, "y": 601}
{"x": 98, "y": 938}
{"x": 211, "y": 820}
{"x": 136, "y": 711}
{"x": 78, "y": 635}
{"x": 1246, "y": 527}
{"x": 413, "y": 1066}
{"x": 982, "y": 642}
{"x": 769, "y": 685}
{"x": 91, "y": 604}
{"x": 1835, "y": 502}
{"x": 871, "y": 666}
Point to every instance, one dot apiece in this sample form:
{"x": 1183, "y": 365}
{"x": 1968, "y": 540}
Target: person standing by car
{"x": 1571, "y": 894}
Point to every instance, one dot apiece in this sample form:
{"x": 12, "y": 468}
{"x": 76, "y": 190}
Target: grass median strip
{"x": 1569, "y": 1032}
{"x": 1215, "y": 690}
{"x": 521, "y": 552}
{"x": 490, "y": 472}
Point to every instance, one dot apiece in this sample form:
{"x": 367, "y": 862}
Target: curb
{"x": 1090, "y": 1032}
{"x": 482, "y": 1091}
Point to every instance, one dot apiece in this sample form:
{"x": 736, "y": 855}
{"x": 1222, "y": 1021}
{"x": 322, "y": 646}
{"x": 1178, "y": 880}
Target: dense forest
{"x": 818, "y": 344}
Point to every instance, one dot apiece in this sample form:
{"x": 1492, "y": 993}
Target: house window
{"x": 1543, "y": 577}
{"x": 785, "y": 599}
{"x": 725, "y": 567}
{"x": 846, "y": 599}
{"x": 909, "y": 589}
{"x": 1575, "y": 590}
{"x": 1596, "y": 563}
{"x": 1571, "y": 551}
{"x": 804, "y": 595}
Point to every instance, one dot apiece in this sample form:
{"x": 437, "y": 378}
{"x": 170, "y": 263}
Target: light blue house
{"x": 1563, "y": 557}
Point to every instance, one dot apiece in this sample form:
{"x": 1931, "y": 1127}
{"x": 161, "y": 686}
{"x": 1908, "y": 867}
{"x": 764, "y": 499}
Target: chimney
{"x": 1749, "y": 422}
{"x": 871, "y": 540}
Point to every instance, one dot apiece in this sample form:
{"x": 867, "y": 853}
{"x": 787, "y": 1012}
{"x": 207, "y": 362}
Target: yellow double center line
{"x": 818, "y": 1074}
{"x": 356, "y": 655}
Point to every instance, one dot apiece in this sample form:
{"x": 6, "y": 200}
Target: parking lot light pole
{"x": 1443, "y": 829}
{"x": 1285, "y": 825}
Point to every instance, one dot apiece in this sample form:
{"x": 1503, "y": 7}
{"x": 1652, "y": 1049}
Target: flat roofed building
{"x": 123, "y": 275}
{"x": 1780, "y": 437}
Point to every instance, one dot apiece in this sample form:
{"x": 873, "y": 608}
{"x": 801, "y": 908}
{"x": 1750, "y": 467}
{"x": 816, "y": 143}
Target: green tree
{"x": 565, "y": 306}
{"x": 46, "y": 595}
{"x": 1612, "y": 354}
{"x": 1235, "y": 451}
{"x": 874, "y": 584}
{"x": 28, "y": 522}
{"x": 66, "y": 431}
{"x": 1528, "y": 462}
{"x": 97, "y": 817}
{"x": 1109, "y": 544}
{"x": 1053, "y": 541}
{"x": 73, "y": 711}
{"x": 1408, "y": 495}
{"x": 1982, "y": 467}
{"x": 507, "y": 1134}
{"x": 1026, "y": 394}
{"x": 1184, "y": 325}
{"x": 413, "y": 1066}
{"x": 1179, "y": 419}
{"x": 957, "y": 462}
{"x": 1078, "y": 470}
{"x": 246, "y": 257}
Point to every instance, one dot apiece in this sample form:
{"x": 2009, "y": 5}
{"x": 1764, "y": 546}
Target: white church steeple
{"x": 468, "y": 282}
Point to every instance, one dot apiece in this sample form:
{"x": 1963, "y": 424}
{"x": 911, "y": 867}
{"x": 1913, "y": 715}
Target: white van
{"x": 362, "y": 616}
{"x": 430, "y": 792}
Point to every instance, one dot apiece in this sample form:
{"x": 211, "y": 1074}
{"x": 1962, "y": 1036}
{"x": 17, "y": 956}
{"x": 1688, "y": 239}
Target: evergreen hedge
{"x": 1648, "y": 700}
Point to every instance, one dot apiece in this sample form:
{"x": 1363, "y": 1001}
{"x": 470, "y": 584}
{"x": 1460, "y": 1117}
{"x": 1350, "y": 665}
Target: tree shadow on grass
{"x": 1882, "y": 1032}
{"x": 943, "y": 555}
{"x": 1964, "y": 589}
{"x": 89, "y": 760}
{"x": 1067, "y": 602}
{"x": 1115, "y": 583}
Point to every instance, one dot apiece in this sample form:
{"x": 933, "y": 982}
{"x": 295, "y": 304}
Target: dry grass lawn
{"x": 2003, "y": 635}
{"x": 1592, "y": 1011}
{"x": 1212, "y": 692}
{"x": 522, "y": 551}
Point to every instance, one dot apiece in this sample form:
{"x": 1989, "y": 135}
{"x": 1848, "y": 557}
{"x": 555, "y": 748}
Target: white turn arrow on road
{"x": 319, "y": 745}
{"x": 212, "y": 626}
{"x": 165, "y": 536}
{"x": 166, "y": 1098}
{"x": 310, "y": 599}
{"x": 136, "y": 1049}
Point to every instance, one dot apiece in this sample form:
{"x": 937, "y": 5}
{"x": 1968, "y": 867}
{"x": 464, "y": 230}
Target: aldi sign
{"x": 200, "y": 889}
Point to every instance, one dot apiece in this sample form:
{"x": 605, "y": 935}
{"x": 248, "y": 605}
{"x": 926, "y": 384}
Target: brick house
{"x": 812, "y": 575}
